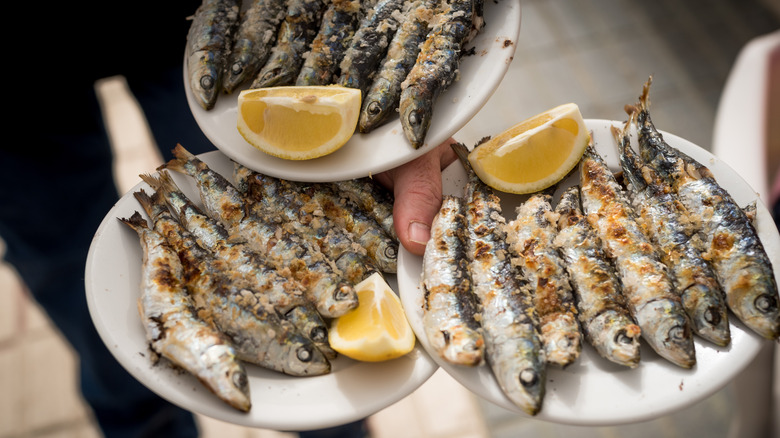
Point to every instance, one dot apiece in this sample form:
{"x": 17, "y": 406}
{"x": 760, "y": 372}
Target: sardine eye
{"x": 240, "y": 380}
{"x": 304, "y": 354}
{"x": 528, "y": 377}
{"x": 622, "y": 338}
{"x": 237, "y": 68}
{"x": 414, "y": 118}
{"x": 677, "y": 333}
{"x": 373, "y": 108}
{"x": 766, "y": 303}
{"x": 342, "y": 293}
{"x": 269, "y": 75}
{"x": 712, "y": 316}
{"x": 206, "y": 82}
{"x": 318, "y": 334}
{"x": 391, "y": 252}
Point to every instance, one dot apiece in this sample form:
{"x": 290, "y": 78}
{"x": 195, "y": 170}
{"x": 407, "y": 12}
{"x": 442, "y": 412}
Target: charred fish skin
{"x": 530, "y": 238}
{"x": 208, "y": 42}
{"x": 295, "y": 35}
{"x": 380, "y": 246}
{"x": 374, "y": 200}
{"x": 435, "y": 69}
{"x": 667, "y": 222}
{"x": 260, "y": 335}
{"x": 279, "y": 286}
{"x": 730, "y": 242}
{"x": 172, "y": 328}
{"x": 284, "y": 293}
{"x": 353, "y": 241}
{"x": 282, "y": 249}
{"x": 369, "y": 43}
{"x": 320, "y": 211}
{"x": 513, "y": 346}
{"x": 603, "y": 314}
{"x": 252, "y": 44}
{"x": 381, "y": 100}
{"x": 645, "y": 279}
{"x": 449, "y": 306}
{"x": 321, "y": 64}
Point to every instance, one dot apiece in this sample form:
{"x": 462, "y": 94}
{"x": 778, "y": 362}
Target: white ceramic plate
{"x": 353, "y": 390}
{"x": 594, "y": 391}
{"x": 385, "y": 147}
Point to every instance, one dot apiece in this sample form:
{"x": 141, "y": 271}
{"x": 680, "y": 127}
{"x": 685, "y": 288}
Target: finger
{"x": 417, "y": 189}
{"x": 448, "y": 155}
{"x": 443, "y": 152}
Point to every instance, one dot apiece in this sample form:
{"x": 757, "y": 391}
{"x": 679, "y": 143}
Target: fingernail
{"x": 419, "y": 232}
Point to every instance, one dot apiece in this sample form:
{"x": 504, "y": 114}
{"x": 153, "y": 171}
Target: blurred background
{"x": 596, "y": 53}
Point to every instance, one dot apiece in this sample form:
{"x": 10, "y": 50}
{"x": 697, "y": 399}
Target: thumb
{"x": 417, "y": 188}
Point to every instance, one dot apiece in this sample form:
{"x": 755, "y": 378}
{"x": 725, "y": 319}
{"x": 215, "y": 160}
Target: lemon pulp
{"x": 298, "y": 122}
{"x": 285, "y": 126}
{"x": 377, "y": 329}
{"x": 533, "y": 154}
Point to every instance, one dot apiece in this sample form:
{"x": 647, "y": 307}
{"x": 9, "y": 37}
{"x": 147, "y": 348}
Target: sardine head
{"x": 416, "y": 119}
{"x": 206, "y": 87}
{"x": 373, "y": 115}
{"x": 307, "y": 360}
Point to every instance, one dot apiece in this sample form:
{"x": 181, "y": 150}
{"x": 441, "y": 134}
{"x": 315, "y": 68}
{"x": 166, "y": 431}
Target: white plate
{"x": 594, "y": 391}
{"x": 386, "y": 147}
{"x": 353, "y": 390}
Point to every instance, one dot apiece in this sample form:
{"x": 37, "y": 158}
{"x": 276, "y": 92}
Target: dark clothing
{"x": 57, "y": 182}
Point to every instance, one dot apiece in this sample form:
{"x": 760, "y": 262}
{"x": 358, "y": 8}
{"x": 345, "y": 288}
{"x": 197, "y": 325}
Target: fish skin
{"x": 730, "y": 241}
{"x": 381, "y": 247}
{"x": 321, "y": 64}
{"x": 252, "y": 44}
{"x": 172, "y": 328}
{"x": 449, "y": 305}
{"x": 296, "y": 33}
{"x": 380, "y": 103}
{"x": 667, "y": 223}
{"x": 260, "y": 335}
{"x": 315, "y": 211}
{"x": 373, "y": 199}
{"x": 212, "y": 236}
{"x": 323, "y": 281}
{"x": 208, "y": 43}
{"x": 605, "y": 319}
{"x": 369, "y": 44}
{"x": 279, "y": 286}
{"x": 513, "y": 346}
{"x": 530, "y": 240}
{"x": 648, "y": 289}
{"x": 435, "y": 69}
{"x": 283, "y": 202}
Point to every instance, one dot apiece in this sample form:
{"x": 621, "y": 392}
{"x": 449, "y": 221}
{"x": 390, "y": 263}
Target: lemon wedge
{"x": 533, "y": 154}
{"x": 377, "y": 329}
{"x": 298, "y": 122}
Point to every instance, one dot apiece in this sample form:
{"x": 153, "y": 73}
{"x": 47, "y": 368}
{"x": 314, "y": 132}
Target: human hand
{"x": 417, "y": 188}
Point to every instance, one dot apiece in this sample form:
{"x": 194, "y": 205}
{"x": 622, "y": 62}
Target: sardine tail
{"x": 644, "y": 100}
{"x": 145, "y": 200}
{"x": 462, "y": 151}
{"x": 181, "y": 157}
{"x": 135, "y": 221}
